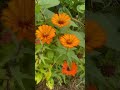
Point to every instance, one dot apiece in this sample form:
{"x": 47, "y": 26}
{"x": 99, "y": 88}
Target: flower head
{"x": 95, "y": 35}
{"x": 69, "y": 71}
{"x": 69, "y": 40}
{"x": 19, "y": 19}
{"x": 61, "y": 20}
{"x": 45, "y": 33}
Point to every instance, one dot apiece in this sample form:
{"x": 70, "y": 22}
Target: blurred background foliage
{"x": 102, "y": 65}
{"x": 16, "y": 58}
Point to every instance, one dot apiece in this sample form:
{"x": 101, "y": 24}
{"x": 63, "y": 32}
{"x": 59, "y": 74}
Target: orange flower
{"x": 95, "y": 35}
{"x": 69, "y": 71}
{"x": 20, "y": 19}
{"x": 69, "y": 40}
{"x": 45, "y": 33}
{"x": 61, "y": 20}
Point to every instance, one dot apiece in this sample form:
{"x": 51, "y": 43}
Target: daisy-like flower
{"x": 95, "y": 35}
{"x": 19, "y": 18}
{"x": 69, "y": 40}
{"x": 45, "y": 33}
{"x": 69, "y": 71}
{"x": 61, "y": 20}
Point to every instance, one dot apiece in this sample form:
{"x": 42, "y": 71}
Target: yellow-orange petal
{"x": 45, "y": 33}
{"x": 60, "y": 20}
{"x": 69, "y": 40}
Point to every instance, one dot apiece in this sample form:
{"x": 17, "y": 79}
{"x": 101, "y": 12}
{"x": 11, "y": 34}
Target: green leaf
{"x": 17, "y": 76}
{"x": 48, "y": 75}
{"x": 37, "y": 8}
{"x": 72, "y": 56}
{"x": 60, "y": 58}
{"x": 73, "y": 24}
{"x": 64, "y": 10}
{"x": 38, "y": 18}
{"x": 48, "y": 3}
{"x": 6, "y": 54}
{"x": 50, "y": 54}
{"x": 48, "y": 14}
{"x": 38, "y": 77}
{"x": 81, "y": 8}
{"x": 50, "y": 84}
{"x": 61, "y": 50}
{"x": 37, "y": 48}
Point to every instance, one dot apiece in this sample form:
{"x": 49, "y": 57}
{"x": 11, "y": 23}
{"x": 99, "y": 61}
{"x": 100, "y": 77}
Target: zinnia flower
{"x": 69, "y": 71}
{"x": 61, "y": 20}
{"x": 95, "y": 35}
{"x": 19, "y": 17}
{"x": 69, "y": 40}
{"x": 45, "y": 33}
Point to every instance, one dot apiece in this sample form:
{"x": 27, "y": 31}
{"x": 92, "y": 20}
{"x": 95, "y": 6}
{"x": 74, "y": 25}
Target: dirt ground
{"x": 73, "y": 85}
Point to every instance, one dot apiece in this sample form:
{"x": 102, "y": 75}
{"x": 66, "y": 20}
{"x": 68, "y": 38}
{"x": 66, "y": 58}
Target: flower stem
{"x": 43, "y": 16}
{"x": 67, "y": 51}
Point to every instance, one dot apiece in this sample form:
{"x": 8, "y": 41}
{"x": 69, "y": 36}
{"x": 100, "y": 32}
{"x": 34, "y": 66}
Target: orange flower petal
{"x": 60, "y": 20}
{"x": 71, "y": 71}
{"x": 45, "y": 33}
{"x": 95, "y": 35}
{"x": 69, "y": 40}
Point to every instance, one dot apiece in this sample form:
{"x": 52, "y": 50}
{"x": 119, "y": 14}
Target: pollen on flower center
{"x": 68, "y": 69}
{"x": 45, "y": 35}
{"x": 69, "y": 42}
{"x": 61, "y": 22}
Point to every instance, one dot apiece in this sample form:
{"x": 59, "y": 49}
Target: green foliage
{"x": 81, "y": 8}
{"x": 49, "y": 58}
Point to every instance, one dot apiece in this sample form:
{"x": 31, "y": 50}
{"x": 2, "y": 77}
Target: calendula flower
{"x": 45, "y": 33}
{"x": 95, "y": 35}
{"x": 69, "y": 40}
{"x": 19, "y": 18}
{"x": 61, "y": 20}
{"x": 69, "y": 70}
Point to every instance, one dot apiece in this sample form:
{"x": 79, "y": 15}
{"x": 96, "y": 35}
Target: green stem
{"x": 43, "y": 16}
{"x": 41, "y": 51}
{"x": 67, "y": 51}
{"x": 78, "y": 21}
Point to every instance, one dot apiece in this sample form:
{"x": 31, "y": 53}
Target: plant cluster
{"x": 60, "y": 44}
